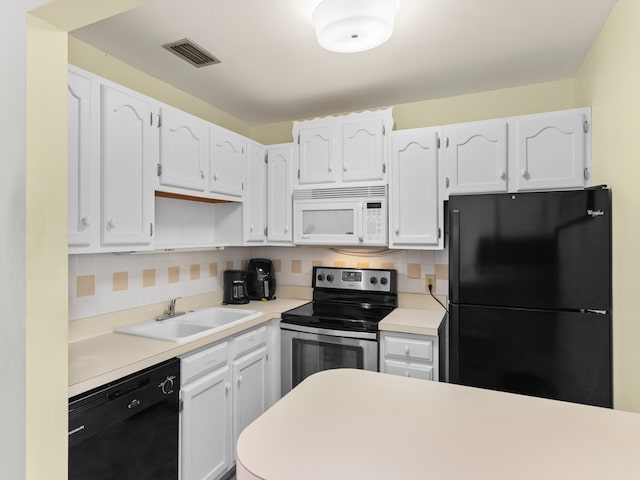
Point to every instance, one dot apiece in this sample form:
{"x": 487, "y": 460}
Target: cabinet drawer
{"x": 424, "y": 372}
{"x": 194, "y": 364}
{"x": 250, "y": 340}
{"x": 408, "y": 348}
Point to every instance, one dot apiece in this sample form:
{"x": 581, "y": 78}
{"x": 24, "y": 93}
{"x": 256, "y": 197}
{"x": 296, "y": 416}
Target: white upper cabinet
{"x": 279, "y": 201}
{"x": 416, "y": 215}
{"x": 226, "y": 163}
{"x": 127, "y": 160}
{"x": 318, "y": 155}
{"x": 255, "y": 204}
{"x": 79, "y": 141}
{"x": 184, "y": 150}
{"x": 345, "y": 150}
{"x": 475, "y": 157}
{"x": 550, "y": 150}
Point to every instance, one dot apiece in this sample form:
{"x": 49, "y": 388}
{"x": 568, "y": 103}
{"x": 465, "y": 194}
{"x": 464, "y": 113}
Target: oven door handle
{"x": 328, "y": 332}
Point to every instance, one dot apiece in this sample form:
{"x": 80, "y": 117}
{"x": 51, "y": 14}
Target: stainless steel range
{"x": 339, "y": 328}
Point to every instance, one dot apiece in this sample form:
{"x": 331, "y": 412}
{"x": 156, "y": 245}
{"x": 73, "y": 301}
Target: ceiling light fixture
{"x": 348, "y": 26}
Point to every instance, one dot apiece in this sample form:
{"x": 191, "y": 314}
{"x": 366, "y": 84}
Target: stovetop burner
{"x": 347, "y": 299}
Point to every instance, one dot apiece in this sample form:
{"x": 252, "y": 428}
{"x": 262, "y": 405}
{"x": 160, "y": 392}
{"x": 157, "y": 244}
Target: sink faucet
{"x": 171, "y": 312}
{"x": 172, "y": 306}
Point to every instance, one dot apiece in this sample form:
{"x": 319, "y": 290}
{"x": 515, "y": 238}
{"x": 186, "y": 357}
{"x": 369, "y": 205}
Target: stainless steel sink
{"x": 190, "y": 326}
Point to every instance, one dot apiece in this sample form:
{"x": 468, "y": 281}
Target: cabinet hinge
{"x": 151, "y": 229}
{"x": 585, "y": 126}
{"x": 159, "y": 169}
{"x": 438, "y": 142}
{"x": 180, "y": 405}
{"x": 586, "y": 174}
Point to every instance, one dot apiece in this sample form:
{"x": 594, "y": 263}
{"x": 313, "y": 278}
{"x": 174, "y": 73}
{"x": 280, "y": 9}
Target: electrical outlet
{"x": 430, "y": 280}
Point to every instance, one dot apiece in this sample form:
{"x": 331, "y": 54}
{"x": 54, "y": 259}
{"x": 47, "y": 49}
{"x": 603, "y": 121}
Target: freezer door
{"x": 548, "y": 250}
{"x": 558, "y": 355}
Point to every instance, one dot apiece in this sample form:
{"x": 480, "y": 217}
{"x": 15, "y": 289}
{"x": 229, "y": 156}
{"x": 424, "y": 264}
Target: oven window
{"x": 311, "y": 356}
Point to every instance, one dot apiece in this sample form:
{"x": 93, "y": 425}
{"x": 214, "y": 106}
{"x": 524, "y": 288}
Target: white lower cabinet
{"x": 249, "y": 389}
{"x": 224, "y": 387}
{"x": 409, "y": 355}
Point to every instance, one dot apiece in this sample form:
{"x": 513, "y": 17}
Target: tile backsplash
{"x": 103, "y": 283}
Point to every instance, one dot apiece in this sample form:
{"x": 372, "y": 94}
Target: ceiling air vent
{"x": 191, "y": 52}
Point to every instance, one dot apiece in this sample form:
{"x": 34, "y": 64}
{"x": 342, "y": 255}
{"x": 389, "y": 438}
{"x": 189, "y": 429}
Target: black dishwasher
{"x": 127, "y": 429}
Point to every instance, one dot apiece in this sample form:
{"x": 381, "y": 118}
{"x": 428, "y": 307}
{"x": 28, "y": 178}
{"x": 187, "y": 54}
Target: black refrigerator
{"x": 530, "y": 294}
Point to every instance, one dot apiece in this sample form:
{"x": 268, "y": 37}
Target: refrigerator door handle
{"x": 454, "y": 256}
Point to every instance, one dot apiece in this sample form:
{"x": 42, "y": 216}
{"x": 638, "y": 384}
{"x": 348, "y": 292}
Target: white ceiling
{"x": 273, "y": 70}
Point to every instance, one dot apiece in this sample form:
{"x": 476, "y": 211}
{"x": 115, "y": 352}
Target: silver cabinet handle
{"x": 330, "y": 168}
{"x": 345, "y": 167}
{"x": 397, "y": 229}
{"x": 239, "y": 379}
{"x": 525, "y": 174}
{"x": 503, "y": 175}
{"x": 215, "y": 176}
{"x": 86, "y": 221}
{"x": 202, "y": 175}
{"x": 111, "y": 224}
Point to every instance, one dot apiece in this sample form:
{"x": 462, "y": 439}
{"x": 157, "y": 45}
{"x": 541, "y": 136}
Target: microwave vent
{"x": 191, "y": 52}
{"x": 341, "y": 193}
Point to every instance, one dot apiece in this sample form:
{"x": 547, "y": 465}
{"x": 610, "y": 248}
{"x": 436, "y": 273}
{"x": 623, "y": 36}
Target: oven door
{"x": 307, "y": 350}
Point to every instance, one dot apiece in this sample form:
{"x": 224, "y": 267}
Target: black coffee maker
{"x": 234, "y": 287}
{"x": 261, "y": 279}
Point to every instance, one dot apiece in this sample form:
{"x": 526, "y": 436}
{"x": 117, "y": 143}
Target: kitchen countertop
{"x": 413, "y": 320}
{"x": 98, "y": 359}
{"x": 352, "y": 424}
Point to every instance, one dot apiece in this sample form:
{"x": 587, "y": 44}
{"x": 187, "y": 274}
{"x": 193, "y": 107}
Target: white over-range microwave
{"x": 340, "y": 216}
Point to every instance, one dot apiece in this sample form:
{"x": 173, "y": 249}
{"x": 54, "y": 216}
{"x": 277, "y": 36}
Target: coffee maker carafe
{"x": 261, "y": 279}
{"x": 234, "y": 287}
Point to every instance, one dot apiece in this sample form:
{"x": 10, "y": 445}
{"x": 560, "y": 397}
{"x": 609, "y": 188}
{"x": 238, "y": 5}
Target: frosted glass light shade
{"x": 348, "y": 26}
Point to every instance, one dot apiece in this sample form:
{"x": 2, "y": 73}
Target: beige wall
{"x": 609, "y": 80}
{"x": 46, "y": 326}
{"x": 541, "y": 97}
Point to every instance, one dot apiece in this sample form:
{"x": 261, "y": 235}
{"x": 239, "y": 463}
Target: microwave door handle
{"x": 361, "y": 222}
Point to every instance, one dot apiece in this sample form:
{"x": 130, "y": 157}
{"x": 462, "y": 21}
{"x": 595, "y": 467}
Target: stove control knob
{"x": 383, "y": 281}
{"x": 329, "y": 278}
{"x": 320, "y": 277}
{"x": 373, "y": 280}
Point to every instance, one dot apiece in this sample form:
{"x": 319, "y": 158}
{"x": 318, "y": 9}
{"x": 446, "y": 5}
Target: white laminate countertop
{"x": 355, "y": 424}
{"x": 104, "y": 358}
{"x": 413, "y": 320}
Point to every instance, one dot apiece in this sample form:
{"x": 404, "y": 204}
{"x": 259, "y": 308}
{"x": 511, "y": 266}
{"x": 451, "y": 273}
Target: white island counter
{"x": 353, "y": 424}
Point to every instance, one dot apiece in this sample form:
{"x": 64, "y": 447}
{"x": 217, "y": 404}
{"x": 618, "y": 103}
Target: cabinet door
{"x": 318, "y": 155}
{"x": 127, "y": 163}
{"x": 206, "y": 449}
{"x": 279, "y": 203}
{"x": 255, "y": 204}
{"x": 249, "y": 389}
{"x": 415, "y": 214}
{"x": 475, "y": 157}
{"x": 184, "y": 147}
{"x": 227, "y": 158}
{"x": 80, "y": 173}
{"x": 550, "y": 151}
{"x": 363, "y": 151}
